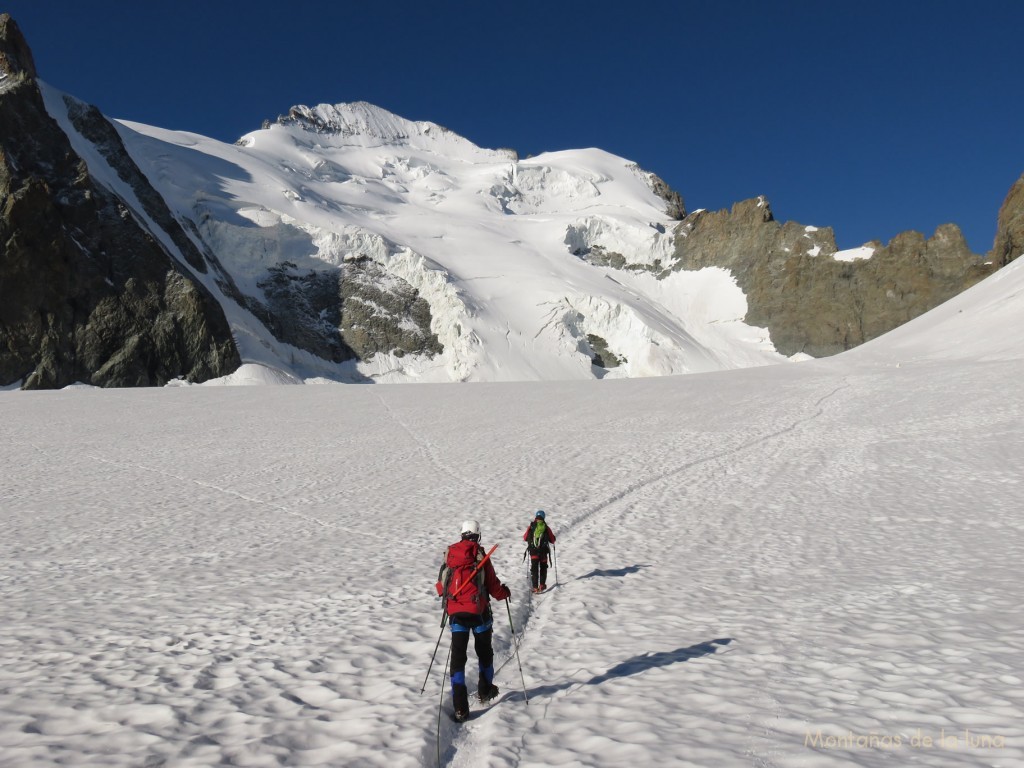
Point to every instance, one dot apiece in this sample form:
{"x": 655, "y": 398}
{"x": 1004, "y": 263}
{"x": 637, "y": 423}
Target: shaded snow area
{"x": 496, "y": 245}
{"x": 792, "y": 565}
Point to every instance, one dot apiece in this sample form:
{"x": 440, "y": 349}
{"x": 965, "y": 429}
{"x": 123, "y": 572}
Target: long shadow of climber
{"x": 612, "y": 571}
{"x": 638, "y": 664}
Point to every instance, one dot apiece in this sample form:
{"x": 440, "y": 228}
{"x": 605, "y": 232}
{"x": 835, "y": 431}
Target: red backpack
{"x": 463, "y": 590}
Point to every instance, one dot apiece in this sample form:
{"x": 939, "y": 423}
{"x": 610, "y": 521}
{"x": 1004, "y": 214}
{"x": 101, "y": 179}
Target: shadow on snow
{"x": 638, "y": 664}
{"x": 612, "y": 571}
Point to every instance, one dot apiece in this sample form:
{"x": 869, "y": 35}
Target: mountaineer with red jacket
{"x": 465, "y": 580}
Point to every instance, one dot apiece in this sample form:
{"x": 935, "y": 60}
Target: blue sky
{"x": 870, "y": 117}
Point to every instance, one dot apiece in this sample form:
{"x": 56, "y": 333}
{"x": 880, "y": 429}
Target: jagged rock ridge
{"x": 812, "y": 302}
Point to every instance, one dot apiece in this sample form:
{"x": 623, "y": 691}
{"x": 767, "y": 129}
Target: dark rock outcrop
{"x": 344, "y": 314}
{"x": 86, "y": 292}
{"x": 1009, "y": 242}
{"x": 808, "y": 300}
{"x": 15, "y": 57}
{"x": 382, "y": 313}
{"x": 601, "y": 354}
{"x": 675, "y": 206}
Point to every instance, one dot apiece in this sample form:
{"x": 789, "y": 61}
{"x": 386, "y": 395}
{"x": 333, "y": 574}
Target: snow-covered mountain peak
{"x": 367, "y": 125}
{"x": 356, "y": 119}
{"x": 514, "y": 258}
{"x": 342, "y": 232}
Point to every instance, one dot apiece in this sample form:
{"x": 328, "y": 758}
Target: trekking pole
{"x": 512, "y": 627}
{"x": 554, "y": 562}
{"x": 440, "y": 705}
{"x": 438, "y": 645}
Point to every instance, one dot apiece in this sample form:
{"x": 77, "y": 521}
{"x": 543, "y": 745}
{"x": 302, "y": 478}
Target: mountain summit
{"x": 370, "y": 246}
{"x": 365, "y": 124}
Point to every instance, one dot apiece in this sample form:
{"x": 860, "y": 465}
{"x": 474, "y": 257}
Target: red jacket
{"x": 472, "y": 600}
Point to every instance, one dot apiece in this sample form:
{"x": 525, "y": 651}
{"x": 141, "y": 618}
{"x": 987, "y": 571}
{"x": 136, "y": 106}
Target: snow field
{"x": 211, "y": 576}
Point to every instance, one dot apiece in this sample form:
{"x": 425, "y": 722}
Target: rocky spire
{"x": 15, "y": 57}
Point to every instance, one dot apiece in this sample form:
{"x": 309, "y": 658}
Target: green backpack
{"x": 537, "y": 540}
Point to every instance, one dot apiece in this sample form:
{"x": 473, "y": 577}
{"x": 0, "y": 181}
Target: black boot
{"x": 486, "y": 690}
{"x": 460, "y": 700}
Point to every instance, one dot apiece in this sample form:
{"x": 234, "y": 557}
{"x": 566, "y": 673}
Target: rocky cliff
{"x": 1009, "y": 243}
{"x": 87, "y": 293}
{"x": 819, "y": 301}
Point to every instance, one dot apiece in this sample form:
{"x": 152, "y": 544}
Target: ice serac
{"x": 814, "y": 298}
{"x": 87, "y": 293}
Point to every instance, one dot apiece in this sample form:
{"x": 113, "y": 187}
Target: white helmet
{"x": 470, "y": 528}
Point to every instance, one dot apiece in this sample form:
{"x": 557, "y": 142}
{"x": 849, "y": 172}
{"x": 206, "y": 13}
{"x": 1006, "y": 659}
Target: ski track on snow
{"x": 471, "y": 741}
{"x": 227, "y": 491}
{"x": 633, "y": 511}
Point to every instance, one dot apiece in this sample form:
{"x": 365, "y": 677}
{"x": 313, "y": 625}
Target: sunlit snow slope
{"x": 486, "y": 238}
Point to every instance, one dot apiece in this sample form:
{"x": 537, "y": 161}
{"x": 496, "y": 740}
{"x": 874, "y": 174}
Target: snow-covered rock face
{"x": 360, "y": 119}
{"x": 510, "y": 262}
{"x": 347, "y": 243}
